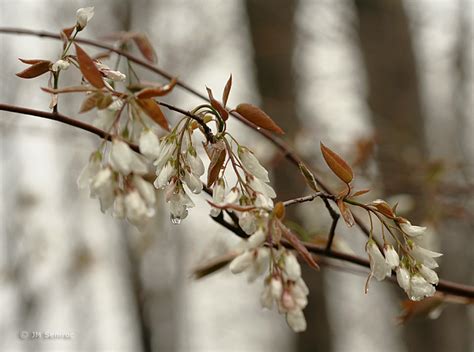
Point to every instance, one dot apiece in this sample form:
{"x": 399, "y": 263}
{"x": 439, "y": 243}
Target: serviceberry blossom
{"x": 252, "y": 165}
{"x": 391, "y": 256}
{"x": 379, "y": 268}
{"x": 412, "y": 230}
{"x": 424, "y": 256}
{"x": 83, "y": 16}
{"x": 60, "y": 65}
{"x": 149, "y": 144}
{"x": 124, "y": 160}
{"x": 113, "y": 75}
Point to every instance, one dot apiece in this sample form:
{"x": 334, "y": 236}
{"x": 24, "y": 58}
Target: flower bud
{"x": 83, "y": 16}
{"x": 391, "y": 256}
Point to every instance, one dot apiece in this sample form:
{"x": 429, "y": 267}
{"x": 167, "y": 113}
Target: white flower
{"x": 252, "y": 165}
{"x": 403, "y": 278}
{"x": 149, "y": 144}
{"x": 146, "y": 190}
{"x": 241, "y": 262}
{"x": 429, "y": 274}
{"x": 425, "y": 256}
{"x": 103, "y": 187}
{"x": 163, "y": 178}
{"x": 124, "y": 160}
{"x": 272, "y": 291}
{"x": 179, "y": 203}
{"x": 218, "y": 195}
{"x": 232, "y": 197}
{"x": 420, "y": 288}
{"x": 257, "y": 239}
{"x": 167, "y": 148}
{"x": 105, "y": 119}
{"x": 110, "y": 74}
{"x": 412, "y": 230}
{"x": 194, "y": 183}
{"x": 292, "y": 267}
{"x": 263, "y": 202}
{"x": 60, "y": 65}
{"x": 83, "y": 16}
{"x": 260, "y": 186}
{"x": 247, "y": 222}
{"x": 296, "y": 320}
{"x": 119, "y": 207}
{"x": 136, "y": 208}
{"x": 260, "y": 263}
{"x": 378, "y": 266}
{"x": 195, "y": 163}
{"x": 391, "y": 256}
{"x": 116, "y": 76}
{"x": 89, "y": 171}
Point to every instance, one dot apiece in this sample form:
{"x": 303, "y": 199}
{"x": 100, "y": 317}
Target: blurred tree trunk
{"x": 394, "y": 98}
{"x": 272, "y": 29}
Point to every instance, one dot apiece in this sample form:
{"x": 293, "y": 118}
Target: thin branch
{"x": 335, "y": 218}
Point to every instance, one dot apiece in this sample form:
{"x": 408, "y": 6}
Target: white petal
{"x": 257, "y": 239}
{"x": 420, "y": 288}
{"x": 149, "y": 144}
{"x": 379, "y": 268}
{"x": 194, "y": 183}
{"x": 195, "y": 163}
{"x": 296, "y": 320}
{"x": 391, "y": 256}
{"x": 241, "y": 262}
{"x": 429, "y": 275}
{"x": 403, "y": 278}
{"x": 292, "y": 267}
{"x": 121, "y": 157}
{"x": 247, "y": 222}
{"x": 412, "y": 230}
{"x": 146, "y": 190}
{"x": 252, "y": 165}
{"x": 163, "y": 178}
{"x": 83, "y": 16}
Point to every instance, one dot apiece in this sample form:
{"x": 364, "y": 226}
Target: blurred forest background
{"x": 387, "y": 83}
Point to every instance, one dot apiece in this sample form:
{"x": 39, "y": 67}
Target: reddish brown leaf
{"x": 152, "y": 92}
{"x": 309, "y": 177}
{"x": 217, "y": 155}
{"x": 345, "y": 212}
{"x": 89, "y": 70}
{"x": 68, "y": 31}
{"x": 218, "y": 106}
{"x": 31, "y": 61}
{"x": 225, "y": 94}
{"x": 152, "y": 109}
{"x": 104, "y": 101}
{"x": 89, "y": 103}
{"x": 35, "y": 70}
{"x": 145, "y": 47}
{"x": 383, "y": 207}
{"x": 361, "y": 192}
{"x": 340, "y": 168}
{"x": 258, "y": 117}
{"x": 426, "y": 307}
{"x": 299, "y": 247}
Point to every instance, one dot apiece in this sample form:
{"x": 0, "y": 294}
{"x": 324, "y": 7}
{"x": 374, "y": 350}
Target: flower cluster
{"x": 283, "y": 284}
{"x": 119, "y": 181}
{"x": 413, "y": 270}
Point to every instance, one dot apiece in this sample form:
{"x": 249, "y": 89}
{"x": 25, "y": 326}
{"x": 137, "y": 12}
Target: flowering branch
{"x": 119, "y": 176}
{"x": 443, "y": 286}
